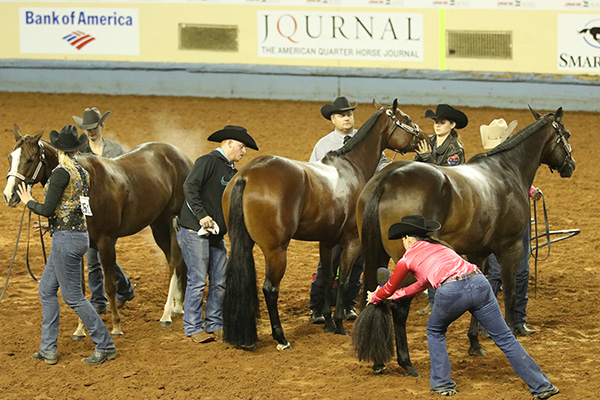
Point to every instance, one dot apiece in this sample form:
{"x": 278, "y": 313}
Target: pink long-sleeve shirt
{"x": 431, "y": 264}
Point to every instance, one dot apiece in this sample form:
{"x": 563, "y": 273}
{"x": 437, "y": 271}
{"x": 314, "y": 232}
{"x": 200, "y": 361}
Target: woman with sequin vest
{"x": 64, "y": 204}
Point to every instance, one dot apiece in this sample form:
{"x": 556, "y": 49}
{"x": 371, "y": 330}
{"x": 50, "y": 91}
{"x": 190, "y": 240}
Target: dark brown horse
{"x": 483, "y": 206}
{"x": 273, "y": 200}
{"x": 143, "y": 187}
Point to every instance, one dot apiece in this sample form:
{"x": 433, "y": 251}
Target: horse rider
{"x": 460, "y": 287}
{"x": 201, "y": 231}
{"x": 65, "y": 203}
{"x": 341, "y": 115}
{"x": 491, "y": 136}
{"x": 444, "y": 149}
{"x": 92, "y": 122}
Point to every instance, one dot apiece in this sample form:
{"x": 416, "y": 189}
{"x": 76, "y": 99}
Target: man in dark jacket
{"x": 202, "y": 227}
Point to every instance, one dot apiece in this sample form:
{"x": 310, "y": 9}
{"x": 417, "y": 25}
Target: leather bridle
{"x": 413, "y": 129}
{"x": 33, "y": 179}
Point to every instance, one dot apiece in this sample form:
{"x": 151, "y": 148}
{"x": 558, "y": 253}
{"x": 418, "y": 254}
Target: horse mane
{"x": 515, "y": 139}
{"x": 362, "y": 132}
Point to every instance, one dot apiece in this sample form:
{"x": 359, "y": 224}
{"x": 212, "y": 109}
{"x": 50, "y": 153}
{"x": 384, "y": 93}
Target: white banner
{"x": 578, "y": 42}
{"x": 414, "y": 4}
{"x": 341, "y": 35}
{"x": 107, "y": 31}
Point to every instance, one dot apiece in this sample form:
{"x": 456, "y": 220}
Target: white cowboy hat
{"x": 496, "y": 132}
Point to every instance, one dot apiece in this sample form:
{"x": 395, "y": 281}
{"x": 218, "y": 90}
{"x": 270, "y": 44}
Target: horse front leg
{"x": 475, "y": 348}
{"x": 400, "y": 311}
{"x": 80, "y": 331}
{"x": 106, "y": 248}
{"x": 276, "y": 263}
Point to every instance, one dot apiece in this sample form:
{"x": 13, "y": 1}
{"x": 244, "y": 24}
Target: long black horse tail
{"x": 373, "y": 253}
{"x": 240, "y": 305}
{"x": 372, "y": 336}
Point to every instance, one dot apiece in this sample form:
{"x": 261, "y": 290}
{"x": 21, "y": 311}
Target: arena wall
{"x": 478, "y": 53}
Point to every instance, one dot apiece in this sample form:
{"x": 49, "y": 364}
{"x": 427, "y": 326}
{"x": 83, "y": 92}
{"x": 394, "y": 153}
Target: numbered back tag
{"x": 85, "y": 206}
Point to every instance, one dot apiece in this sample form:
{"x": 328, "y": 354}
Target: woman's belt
{"x": 456, "y": 278}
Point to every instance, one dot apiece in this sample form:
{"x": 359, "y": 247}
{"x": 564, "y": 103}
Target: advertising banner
{"x": 53, "y": 30}
{"x": 341, "y": 35}
{"x": 579, "y": 42}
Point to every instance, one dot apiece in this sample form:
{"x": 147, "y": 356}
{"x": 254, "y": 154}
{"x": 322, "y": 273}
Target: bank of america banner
{"x": 54, "y": 30}
{"x": 341, "y": 35}
{"x": 579, "y": 42}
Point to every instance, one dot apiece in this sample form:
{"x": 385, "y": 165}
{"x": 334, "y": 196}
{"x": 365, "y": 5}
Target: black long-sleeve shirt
{"x": 203, "y": 189}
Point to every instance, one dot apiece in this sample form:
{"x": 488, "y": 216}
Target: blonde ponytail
{"x": 66, "y": 158}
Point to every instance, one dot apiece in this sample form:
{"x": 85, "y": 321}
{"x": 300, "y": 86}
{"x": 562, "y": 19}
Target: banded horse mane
{"x": 515, "y": 139}
{"x": 362, "y": 132}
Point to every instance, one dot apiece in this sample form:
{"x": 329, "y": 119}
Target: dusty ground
{"x": 161, "y": 363}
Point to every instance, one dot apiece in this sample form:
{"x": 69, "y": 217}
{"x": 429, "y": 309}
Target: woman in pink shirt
{"x": 460, "y": 287}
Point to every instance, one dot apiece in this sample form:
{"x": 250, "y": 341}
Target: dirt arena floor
{"x": 161, "y": 363}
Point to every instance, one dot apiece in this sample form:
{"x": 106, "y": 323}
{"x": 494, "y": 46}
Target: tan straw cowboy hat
{"x": 496, "y": 132}
{"x": 91, "y": 119}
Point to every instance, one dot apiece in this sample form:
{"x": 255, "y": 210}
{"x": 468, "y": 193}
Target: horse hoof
{"x": 166, "y": 323}
{"x": 77, "y": 338}
{"x": 477, "y": 352}
{"x": 328, "y": 328}
{"x": 116, "y": 335}
{"x": 411, "y": 373}
{"x": 176, "y": 314}
{"x": 248, "y": 347}
{"x": 341, "y": 332}
{"x": 379, "y": 369}
{"x": 282, "y": 347}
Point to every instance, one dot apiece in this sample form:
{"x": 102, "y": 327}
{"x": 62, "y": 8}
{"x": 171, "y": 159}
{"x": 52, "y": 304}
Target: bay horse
{"x": 140, "y": 188}
{"x": 483, "y": 207}
{"x": 272, "y": 200}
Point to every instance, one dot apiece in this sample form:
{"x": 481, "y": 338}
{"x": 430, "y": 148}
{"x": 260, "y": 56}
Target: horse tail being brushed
{"x": 240, "y": 303}
{"x": 374, "y": 254}
{"x": 372, "y": 336}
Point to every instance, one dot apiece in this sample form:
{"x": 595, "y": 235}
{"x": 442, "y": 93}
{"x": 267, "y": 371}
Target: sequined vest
{"x": 68, "y": 215}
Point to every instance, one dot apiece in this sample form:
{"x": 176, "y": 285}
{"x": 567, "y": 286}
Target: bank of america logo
{"x": 79, "y": 39}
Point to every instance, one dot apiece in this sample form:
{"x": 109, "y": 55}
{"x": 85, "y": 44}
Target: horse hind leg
{"x": 79, "y": 333}
{"x": 400, "y": 310}
{"x": 275, "y": 268}
{"x": 164, "y": 235}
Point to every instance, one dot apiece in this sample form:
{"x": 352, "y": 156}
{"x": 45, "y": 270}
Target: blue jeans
{"x": 522, "y": 281}
{"x": 96, "y": 281}
{"x": 317, "y": 291}
{"x": 475, "y": 295}
{"x": 63, "y": 269}
{"x": 204, "y": 257}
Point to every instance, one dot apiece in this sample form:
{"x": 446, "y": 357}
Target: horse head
{"x": 557, "y": 153}
{"x": 26, "y": 164}
{"x": 408, "y": 137}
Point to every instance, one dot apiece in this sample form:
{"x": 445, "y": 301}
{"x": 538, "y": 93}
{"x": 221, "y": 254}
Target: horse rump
{"x": 240, "y": 303}
{"x": 372, "y": 337}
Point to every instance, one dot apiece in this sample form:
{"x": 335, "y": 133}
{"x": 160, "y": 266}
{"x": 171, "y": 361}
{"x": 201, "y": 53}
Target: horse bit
{"x": 32, "y": 180}
{"x": 412, "y": 129}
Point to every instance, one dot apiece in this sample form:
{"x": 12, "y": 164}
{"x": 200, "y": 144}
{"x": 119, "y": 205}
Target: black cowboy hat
{"x": 412, "y": 225}
{"x": 450, "y": 113}
{"x": 91, "y": 118}
{"x": 339, "y": 105}
{"x": 234, "y": 132}
{"x": 68, "y": 139}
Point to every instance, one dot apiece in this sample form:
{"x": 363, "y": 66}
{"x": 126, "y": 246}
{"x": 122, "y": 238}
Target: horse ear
{"x": 38, "y": 135}
{"x": 559, "y": 114}
{"x": 395, "y": 106}
{"x": 535, "y": 113}
{"x": 16, "y": 133}
{"x": 376, "y": 104}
